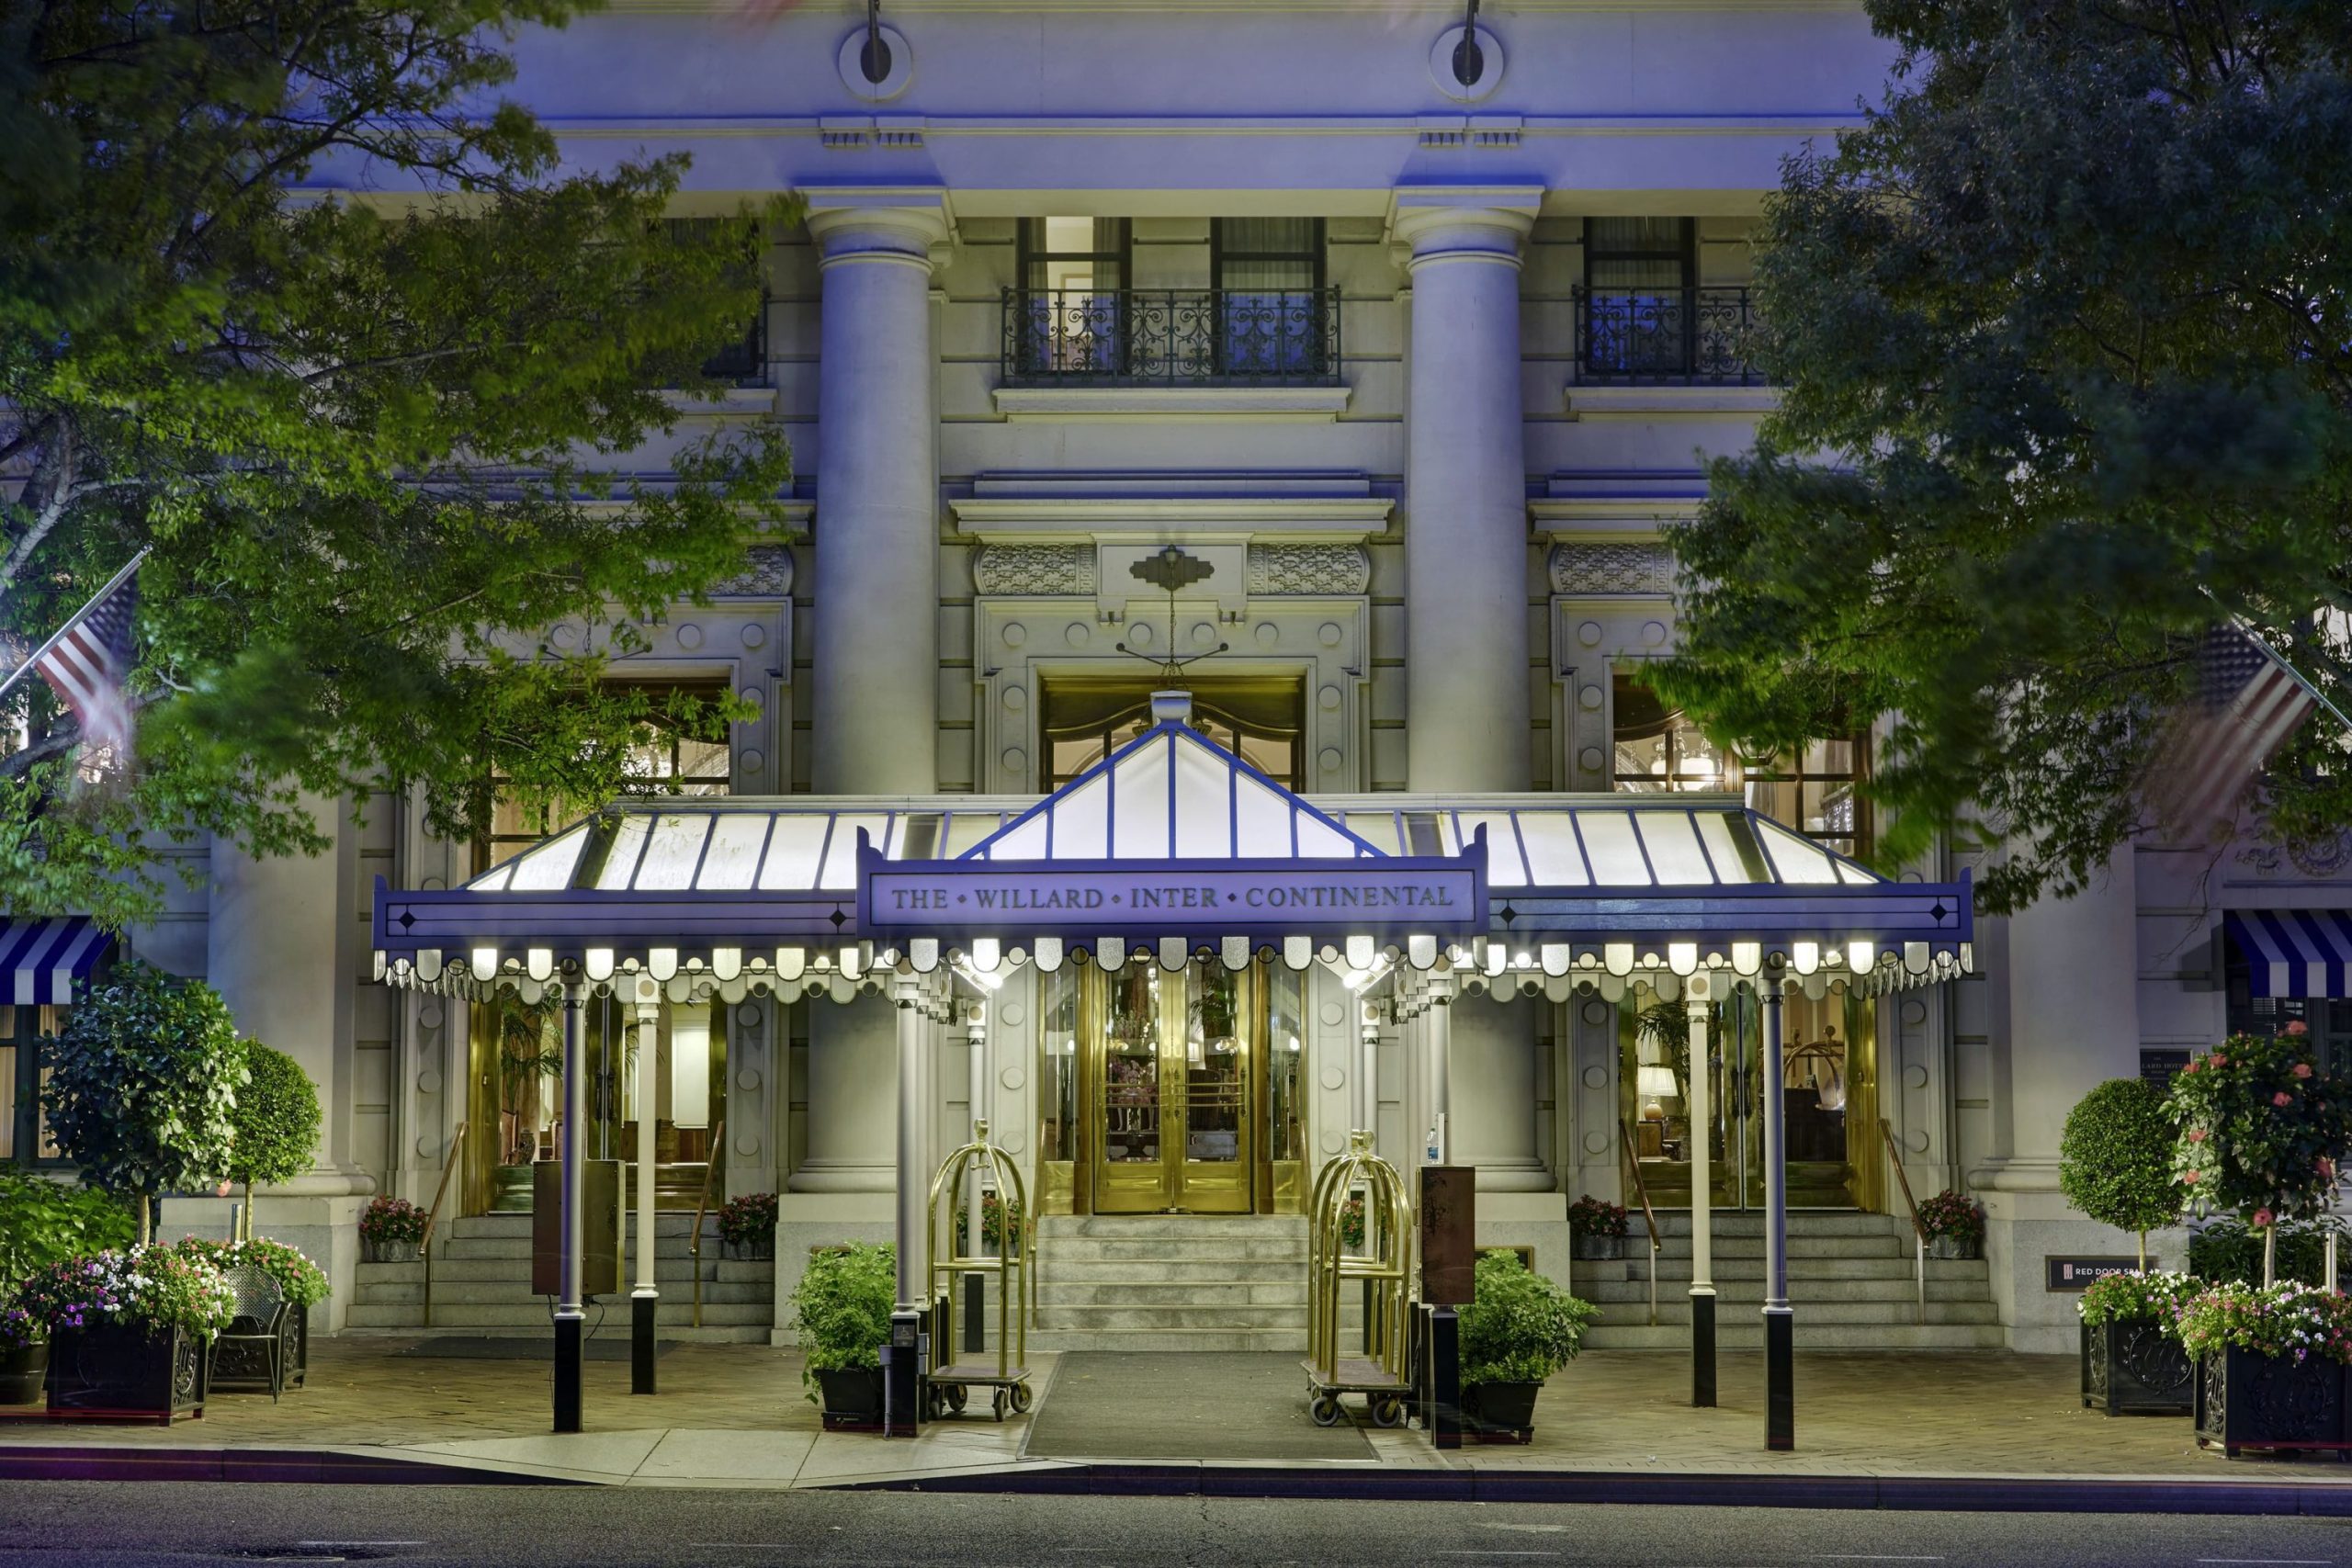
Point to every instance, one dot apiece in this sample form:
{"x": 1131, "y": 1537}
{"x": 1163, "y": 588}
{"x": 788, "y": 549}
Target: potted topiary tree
{"x": 2262, "y": 1132}
{"x": 844, "y": 1304}
{"x": 1517, "y": 1331}
{"x": 142, "y": 1087}
{"x": 43, "y": 1223}
{"x": 276, "y": 1126}
{"x": 130, "y": 1330}
{"x": 2115, "y": 1166}
{"x": 1597, "y": 1228}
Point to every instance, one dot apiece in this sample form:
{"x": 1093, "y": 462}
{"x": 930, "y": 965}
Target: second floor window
{"x": 668, "y": 758}
{"x": 1260, "y": 722}
{"x": 1268, "y": 276}
{"x": 1072, "y": 311}
{"x": 1815, "y": 788}
{"x": 742, "y": 358}
{"x": 1638, "y": 275}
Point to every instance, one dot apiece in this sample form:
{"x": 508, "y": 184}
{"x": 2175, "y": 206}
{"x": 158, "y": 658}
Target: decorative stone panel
{"x": 770, "y": 576}
{"x": 2323, "y": 856}
{"x": 1343, "y": 570}
{"x": 1609, "y": 570}
{"x": 1035, "y": 569}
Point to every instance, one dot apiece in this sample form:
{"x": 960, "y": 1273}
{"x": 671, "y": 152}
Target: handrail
{"x": 1649, "y": 1219}
{"x": 433, "y": 1216}
{"x": 702, "y": 1207}
{"x": 1918, "y": 1230}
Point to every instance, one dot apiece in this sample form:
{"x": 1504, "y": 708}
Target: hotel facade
{"x": 1294, "y": 356}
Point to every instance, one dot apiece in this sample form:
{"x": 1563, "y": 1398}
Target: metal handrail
{"x": 1918, "y": 1230}
{"x": 702, "y": 1207}
{"x": 1649, "y": 1219}
{"x": 433, "y": 1216}
{"x": 1638, "y": 334}
{"x": 1278, "y": 337}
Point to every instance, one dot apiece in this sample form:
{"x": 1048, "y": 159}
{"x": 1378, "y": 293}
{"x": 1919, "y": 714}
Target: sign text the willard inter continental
{"x": 1174, "y": 896}
{"x": 1108, "y": 897}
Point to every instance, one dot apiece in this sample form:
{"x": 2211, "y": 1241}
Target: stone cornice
{"x": 1047, "y": 519}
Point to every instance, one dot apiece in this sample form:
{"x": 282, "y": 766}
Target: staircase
{"x": 482, "y": 1286}
{"x": 1170, "y": 1283}
{"x": 1851, "y": 1281}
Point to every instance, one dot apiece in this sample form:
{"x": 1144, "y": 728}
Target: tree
{"x": 275, "y": 1125}
{"x": 2115, "y": 1159}
{"x": 142, "y": 1087}
{"x": 2263, "y": 1130}
{"x": 2066, "y": 337}
{"x": 288, "y": 297}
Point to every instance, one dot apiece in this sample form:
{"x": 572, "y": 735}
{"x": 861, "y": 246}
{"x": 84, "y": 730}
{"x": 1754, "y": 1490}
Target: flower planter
{"x": 121, "y": 1371}
{"x": 391, "y": 1251}
{"x": 853, "y": 1400}
{"x": 1954, "y": 1247}
{"x": 2246, "y": 1401}
{"x": 763, "y": 1250}
{"x": 1596, "y": 1248}
{"x": 2132, "y": 1367}
{"x": 22, "y": 1371}
{"x": 298, "y": 1346}
{"x": 1501, "y": 1410}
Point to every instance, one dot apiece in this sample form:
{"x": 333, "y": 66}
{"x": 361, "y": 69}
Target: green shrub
{"x": 844, "y": 1304}
{"x": 304, "y": 1282}
{"x": 276, "y": 1122}
{"x": 1522, "y": 1327}
{"x": 44, "y": 1222}
{"x": 2229, "y": 1250}
{"x": 2115, "y": 1159}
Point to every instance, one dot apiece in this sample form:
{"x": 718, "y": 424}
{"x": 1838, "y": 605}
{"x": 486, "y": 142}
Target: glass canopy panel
{"x": 733, "y": 857}
{"x": 1139, "y": 825}
{"x": 1205, "y": 790}
{"x": 1506, "y": 867}
{"x": 1377, "y": 827}
{"x": 1615, "y": 853}
{"x": 492, "y": 880}
{"x": 917, "y": 836}
{"x": 796, "y": 851}
{"x": 840, "y": 855}
{"x": 548, "y": 867}
{"x": 1552, "y": 858}
{"x": 1675, "y": 857}
{"x": 966, "y": 828}
{"x": 1848, "y": 871}
{"x": 1023, "y": 841}
{"x": 1732, "y": 848}
{"x": 1796, "y": 859}
{"x": 1318, "y": 839}
{"x": 1262, "y": 822}
{"x": 1083, "y": 822}
{"x": 672, "y": 852}
{"x": 620, "y": 861}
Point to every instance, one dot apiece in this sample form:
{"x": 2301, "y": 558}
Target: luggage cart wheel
{"x": 1325, "y": 1409}
{"x": 1388, "y": 1413}
{"x": 997, "y": 1404}
{"x": 957, "y": 1397}
{"x": 1019, "y": 1399}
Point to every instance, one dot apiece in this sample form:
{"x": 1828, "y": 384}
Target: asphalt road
{"x": 52, "y": 1524}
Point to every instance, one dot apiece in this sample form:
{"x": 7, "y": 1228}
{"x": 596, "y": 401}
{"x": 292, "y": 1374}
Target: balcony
{"x": 1682, "y": 337}
{"x": 1172, "y": 337}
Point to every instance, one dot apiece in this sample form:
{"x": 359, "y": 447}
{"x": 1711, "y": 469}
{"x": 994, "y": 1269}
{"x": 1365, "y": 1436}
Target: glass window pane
{"x": 1673, "y": 844}
{"x": 1286, "y": 1051}
{"x": 620, "y": 861}
{"x": 1615, "y": 854}
{"x": 1057, "y": 1045}
{"x": 736, "y": 840}
{"x": 671, "y": 851}
{"x": 1552, "y": 858}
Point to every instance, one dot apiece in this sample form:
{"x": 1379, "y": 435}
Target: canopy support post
{"x": 1695, "y": 993}
{"x": 645, "y": 1301}
{"x": 1779, "y": 1318}
{"x": 1440, "y": 1034}
{"x": 571, "y": 1318}
{"x": 902, "y": 1358}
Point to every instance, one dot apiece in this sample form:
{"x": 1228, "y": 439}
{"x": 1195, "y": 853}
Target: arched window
{"x": 1088, "y": 717}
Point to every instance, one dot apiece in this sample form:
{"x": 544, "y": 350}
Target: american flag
{"x": 2248, "y": 702}
{"x": 87, "y": 659}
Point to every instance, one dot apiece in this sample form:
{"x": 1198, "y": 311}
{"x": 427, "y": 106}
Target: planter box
{"x": 2132, "y": 1367}
{"x": 1596, "y": 1248}
{"x": 1500, "y": 1411}
{"x": 298, "y": 1349}
{"x": 129, "y": 1371}
{"x": 853, "y": 1400}
{"x": 759, "y": 1251}
{"x": 22, "y": 1373}
{"x": 391, "y": 1251}
{"x": 1953, "y": 1247}
{"x": 2244, "y": 1400}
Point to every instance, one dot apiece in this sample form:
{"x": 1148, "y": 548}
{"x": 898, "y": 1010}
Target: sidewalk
{"x": 1872, "y": 1430}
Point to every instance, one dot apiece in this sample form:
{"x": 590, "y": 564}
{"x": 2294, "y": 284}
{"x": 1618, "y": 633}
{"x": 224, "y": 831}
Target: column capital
{"x": 879, "y": 222}
{"x": 1462, "y": 223}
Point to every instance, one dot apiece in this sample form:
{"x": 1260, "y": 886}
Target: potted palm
{"x": 842, "y": 1306}
{"x": 2132, "y": 1360}
{"x": 130, "y": 1330}
{"x": 304, "y": 1285}
{"x": 1517, "y": 1331}
{"x": 1597, "y": 1228}
{"x": 1955, "y": 1225}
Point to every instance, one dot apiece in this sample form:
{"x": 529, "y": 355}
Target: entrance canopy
{"x": 1168, "y": 850}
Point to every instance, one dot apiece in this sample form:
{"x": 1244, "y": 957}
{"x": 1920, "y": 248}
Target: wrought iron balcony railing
{"x": 1686, "y": 336}
{"x": 1172, "y": 337}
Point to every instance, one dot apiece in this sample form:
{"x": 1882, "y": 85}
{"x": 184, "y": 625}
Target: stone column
{"x": 849, "y": 1098}
{"x": 875, "y": 681}
{"x": 2073, "y": 1021}
{"x": 1494, "y": 1094}
{"x": 1466, "y": 531}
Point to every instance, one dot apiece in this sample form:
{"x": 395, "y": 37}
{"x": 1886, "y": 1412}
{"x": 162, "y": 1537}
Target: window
{"x": 1639, "y": 274}
{"x": 668, "y": 759}
{"x": 1074, "y": 272}
{"x": 23, "y": 1130}
{"x": 1268, "y": 274}
{"x": 1260, "y": 721}
{"x": 2330, "y": 1022}
{"x": 1817, "y": 790}
{"x": 742, "y": 360}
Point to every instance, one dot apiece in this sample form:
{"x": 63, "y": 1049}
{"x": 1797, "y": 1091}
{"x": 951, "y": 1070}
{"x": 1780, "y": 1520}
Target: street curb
{"x": 1909, "y": 1494}
{"x": 310, "y": 1466}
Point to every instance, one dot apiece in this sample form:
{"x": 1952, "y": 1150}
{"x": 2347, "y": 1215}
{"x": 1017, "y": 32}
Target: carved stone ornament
{"x": 2317, "y": 857}
{"x": 1339, "y": 571}
{"x": 769, "y": 578}
{"x": 1613, "y": 568}
{"x": 1035, "y": 569}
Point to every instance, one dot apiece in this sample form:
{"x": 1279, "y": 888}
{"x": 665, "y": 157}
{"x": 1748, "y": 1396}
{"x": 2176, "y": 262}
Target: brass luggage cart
{"x": 1014, "y": 1264}
{"x": 1384, "y": 1256}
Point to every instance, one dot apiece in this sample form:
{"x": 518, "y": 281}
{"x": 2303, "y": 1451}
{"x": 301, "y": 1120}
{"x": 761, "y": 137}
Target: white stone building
{"x": 1415, "y": 369}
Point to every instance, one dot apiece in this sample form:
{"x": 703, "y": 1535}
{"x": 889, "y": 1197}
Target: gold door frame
{"x": 1171, "y": 1180}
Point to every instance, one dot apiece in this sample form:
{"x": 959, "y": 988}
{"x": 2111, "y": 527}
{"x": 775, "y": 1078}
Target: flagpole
{"x": 58, "y": 636}
{"x": 2246, "y": 630}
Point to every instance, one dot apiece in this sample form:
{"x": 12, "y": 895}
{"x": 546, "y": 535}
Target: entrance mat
{"x": 522, "y": 1348}
{"x": 1176, "y": 1404}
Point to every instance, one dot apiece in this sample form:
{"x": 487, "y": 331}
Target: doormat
{"x": 522, "y": 1348}
{"x": 1174, "y": 1405}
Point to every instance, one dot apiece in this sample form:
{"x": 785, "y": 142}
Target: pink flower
{"x": 2189, "y": 1177}
{"x": 2302, "y": 1069}
{"x": 2261, "y": 1219}
{"x": 2324, "y": 1166}
{"x": 2296, "y": 1026}
{"x": 2191, "y": 1068}
{"x": 2197, "y": 1135}
{"x": 2282, "y": 1098}
{"x": 2220, "y": 1060}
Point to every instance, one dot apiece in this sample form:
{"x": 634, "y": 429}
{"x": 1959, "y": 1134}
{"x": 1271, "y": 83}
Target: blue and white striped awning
{"x": 2294, "y": 952}
{"x": 40, "y": 960}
